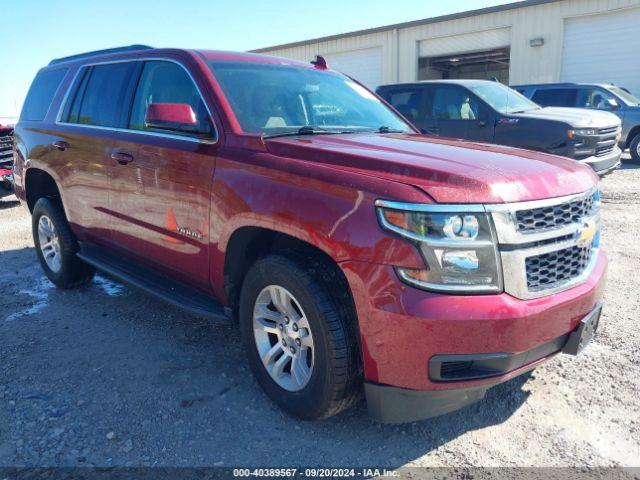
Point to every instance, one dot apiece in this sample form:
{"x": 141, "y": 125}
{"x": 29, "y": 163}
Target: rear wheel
{"x": 634, "y": 148}
{"x": 300, "y": 341}
{"x": 56, "y": 246}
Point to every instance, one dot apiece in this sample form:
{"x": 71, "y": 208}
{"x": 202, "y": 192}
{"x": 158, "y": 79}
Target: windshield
{"x": 502, "y": 98}
{"x": 625, "y": 96}
{"x": 281, "y": 99}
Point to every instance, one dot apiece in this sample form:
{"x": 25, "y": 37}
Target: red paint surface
{"x": 320, "y": 190}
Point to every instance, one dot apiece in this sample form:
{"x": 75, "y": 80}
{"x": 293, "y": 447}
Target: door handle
{"x": 61, "y": 145}
{"x": 433, "y": 130}
{"x": 122, "y": 158}
{"x": 482, "y": 123}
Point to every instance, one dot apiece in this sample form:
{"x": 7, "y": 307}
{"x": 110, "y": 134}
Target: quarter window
{"x": 167, "y": 82}
{"x": 41, "y": 94}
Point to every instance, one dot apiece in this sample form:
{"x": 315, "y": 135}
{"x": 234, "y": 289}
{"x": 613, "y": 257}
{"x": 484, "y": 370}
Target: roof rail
{"x": 129, "y": 48}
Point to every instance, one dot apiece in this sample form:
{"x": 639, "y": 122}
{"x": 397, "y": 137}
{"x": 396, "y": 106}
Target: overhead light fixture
{"x": 536, "y": 42}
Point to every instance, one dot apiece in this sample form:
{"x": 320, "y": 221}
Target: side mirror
{"x": 612, "y": 104}
{"x": 171, "y": 116}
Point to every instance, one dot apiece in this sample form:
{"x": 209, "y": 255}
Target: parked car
{"x": 6, "y": 160}
{"x": 491, "y": 112}
{"x": 350, "y": 248}
{"x": 595, "y": 96}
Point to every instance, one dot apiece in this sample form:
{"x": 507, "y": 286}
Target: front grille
{"x": 607, "y": 130}
{"x": 6, "y": 151}
{"x": 545, "y": 218}
{"x": 602, "y": 151}
{"x": 553, "y": 269}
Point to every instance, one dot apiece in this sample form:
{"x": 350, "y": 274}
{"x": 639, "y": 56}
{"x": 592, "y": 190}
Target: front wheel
{"x": 634, "y": 148}
{"x": 299, "y": 339}
{"x": 56, "y": 246}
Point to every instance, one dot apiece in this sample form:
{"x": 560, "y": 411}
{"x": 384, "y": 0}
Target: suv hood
{"x": 575, "y": 117}
{"x": 450, "y": 171}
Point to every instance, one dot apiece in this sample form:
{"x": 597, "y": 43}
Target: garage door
{"x": 466, "y": 42}
{"x": 603, "y": 49}
{"x": 363, "y": 65}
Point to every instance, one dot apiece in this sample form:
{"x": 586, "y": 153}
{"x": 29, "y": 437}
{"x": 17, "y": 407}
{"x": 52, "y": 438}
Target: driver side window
{"x": 167, "y": 82}
{"x": 453, "y": 103}
{"x": 594, "y": 98}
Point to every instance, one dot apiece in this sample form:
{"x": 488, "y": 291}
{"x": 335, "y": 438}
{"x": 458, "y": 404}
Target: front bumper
{"x": 605, "y": 164}
{"x": 6, "y": 182}
{"x": 388, "y": 404}
{"x": 403, "y": 328}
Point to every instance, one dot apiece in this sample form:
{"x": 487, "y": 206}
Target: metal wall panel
{"x": 401, "y": 46}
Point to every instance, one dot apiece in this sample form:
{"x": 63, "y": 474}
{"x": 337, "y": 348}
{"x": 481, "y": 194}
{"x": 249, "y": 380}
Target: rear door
{"x": 86, "y": 137}
{"x": 556, "y": 97}
{"x": 409, "y": 101}
{"x": 161, "y": 179}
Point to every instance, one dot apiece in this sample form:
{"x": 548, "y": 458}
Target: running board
{"x": 154, "y": 283}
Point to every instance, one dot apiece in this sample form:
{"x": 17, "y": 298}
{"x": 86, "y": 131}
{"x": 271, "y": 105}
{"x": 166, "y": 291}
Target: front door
{"x": 455, "y": 112}
{"x": 161, "y": 179}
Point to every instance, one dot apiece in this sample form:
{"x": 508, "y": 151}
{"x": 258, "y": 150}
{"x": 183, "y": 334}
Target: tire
{"x": 634, "y": 148}
{"x": 335, "y": 380}
{"x": 68, "y": 271}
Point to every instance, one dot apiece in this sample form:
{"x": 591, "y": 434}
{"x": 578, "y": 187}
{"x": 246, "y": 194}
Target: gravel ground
{"x": 107, "y": 376}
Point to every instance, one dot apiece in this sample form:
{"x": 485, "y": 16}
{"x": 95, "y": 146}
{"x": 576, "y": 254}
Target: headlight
{"x": 458, "y": 246}
{"x": 581, "y": 132}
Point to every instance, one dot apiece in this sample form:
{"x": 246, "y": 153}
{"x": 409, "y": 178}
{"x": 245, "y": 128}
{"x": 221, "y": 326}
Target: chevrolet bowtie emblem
{"x": 586, "y": 233}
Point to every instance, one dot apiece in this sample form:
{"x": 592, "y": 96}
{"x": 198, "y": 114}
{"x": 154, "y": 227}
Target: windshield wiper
{"x": 307, "y": 130}
{"x": 385, "y": 129}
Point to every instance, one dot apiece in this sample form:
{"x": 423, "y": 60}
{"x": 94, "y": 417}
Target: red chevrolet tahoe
{"x": 352, "y": 250}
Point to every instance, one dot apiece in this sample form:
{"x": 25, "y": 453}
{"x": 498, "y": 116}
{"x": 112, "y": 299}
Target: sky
{"x": 33, "y": 32}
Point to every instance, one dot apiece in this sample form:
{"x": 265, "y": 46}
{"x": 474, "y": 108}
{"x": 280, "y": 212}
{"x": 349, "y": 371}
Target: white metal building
{"x": 532, "y": 41}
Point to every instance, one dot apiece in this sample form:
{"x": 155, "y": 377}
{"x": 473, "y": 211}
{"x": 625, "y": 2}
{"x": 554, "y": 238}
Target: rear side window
{"x": 100, "y": 97}
{"x": 408, "y": 102}
{"x": 557, "y": 97}
{"x": 41, "y": 93}
{"x": 167, "y": 82}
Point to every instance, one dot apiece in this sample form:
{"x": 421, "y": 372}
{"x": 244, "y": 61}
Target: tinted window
{"x": 41, "y": 94}
{"x": 451, "y": 103}
{"x": 167, "y": 82}
{"x": 407, "y": 102}
{"x": 105, "y": 88}
{"x": 557, "y": 97}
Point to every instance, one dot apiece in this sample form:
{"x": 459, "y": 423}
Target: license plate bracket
{"x": 583, "y": 333}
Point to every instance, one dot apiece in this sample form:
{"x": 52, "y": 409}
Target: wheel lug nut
{"x": 293, "y": 350}
{"x": 286, "y": 320}
{"x": 298, "y": 342}
{"x": 281, "y": 327}
{"x": 284, "y": 342}
{"x": 295, "y": 327}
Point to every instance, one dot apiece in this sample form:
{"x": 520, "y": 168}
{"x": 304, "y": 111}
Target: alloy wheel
{"x": 49, "y": 244}
{"x": 283, "y": 338}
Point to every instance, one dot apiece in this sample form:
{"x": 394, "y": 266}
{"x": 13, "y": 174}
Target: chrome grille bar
{"x": 549, "y": 245}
